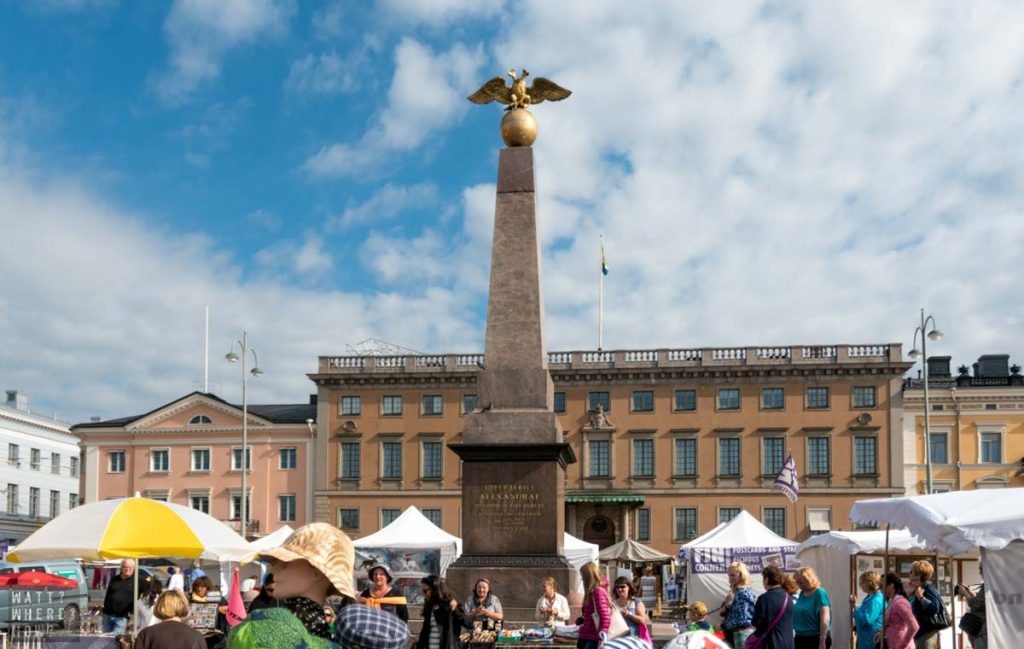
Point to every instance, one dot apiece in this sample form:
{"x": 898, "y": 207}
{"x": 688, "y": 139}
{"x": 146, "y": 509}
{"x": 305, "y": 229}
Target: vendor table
{"x": 68, "y": 641}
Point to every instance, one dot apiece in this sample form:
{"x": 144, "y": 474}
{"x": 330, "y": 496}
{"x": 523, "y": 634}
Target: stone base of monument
{"x": 515, "y": 580}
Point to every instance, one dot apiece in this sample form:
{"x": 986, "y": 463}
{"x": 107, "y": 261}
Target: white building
{"x": 39, "y": 469}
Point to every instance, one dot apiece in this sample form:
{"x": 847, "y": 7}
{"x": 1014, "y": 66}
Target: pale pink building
{"x": 189, "y": 452}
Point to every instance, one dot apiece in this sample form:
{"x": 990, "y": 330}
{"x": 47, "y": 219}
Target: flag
{"x": 236, "y": 607}
{"x": 786, "y": 481}
{"x": 604, "y": 264}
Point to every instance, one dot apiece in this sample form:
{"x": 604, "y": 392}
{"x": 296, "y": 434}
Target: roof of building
{"x": 286, "y": 413}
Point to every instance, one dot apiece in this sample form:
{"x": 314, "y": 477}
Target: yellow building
{"x": 976, "y": 425}
{"x": 668, "y": 442}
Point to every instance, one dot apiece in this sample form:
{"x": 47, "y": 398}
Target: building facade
{"x": 189, "y": 452}
{"x": 976, "y": 426}
{"x": 39, "y": 469}
{"x": 669, "y": 442}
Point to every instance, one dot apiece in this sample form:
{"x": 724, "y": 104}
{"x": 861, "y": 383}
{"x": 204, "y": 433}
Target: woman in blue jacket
{"x": 925, "y": 603}
{"x": 867, "y": 617}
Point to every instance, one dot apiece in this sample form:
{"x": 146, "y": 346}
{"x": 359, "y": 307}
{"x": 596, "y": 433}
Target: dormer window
{"x": 199, "y": 420}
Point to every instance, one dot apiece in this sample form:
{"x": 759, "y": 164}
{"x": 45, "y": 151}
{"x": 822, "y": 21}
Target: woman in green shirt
{"x": 812, "y": 615}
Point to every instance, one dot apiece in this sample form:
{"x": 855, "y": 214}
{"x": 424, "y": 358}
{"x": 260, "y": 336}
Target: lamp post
{"x": 934, "y": 334}
{"x": 232, "y": 357}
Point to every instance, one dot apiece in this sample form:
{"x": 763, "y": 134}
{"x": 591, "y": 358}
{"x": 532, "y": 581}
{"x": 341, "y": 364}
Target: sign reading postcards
{"x": 717, "y": 560}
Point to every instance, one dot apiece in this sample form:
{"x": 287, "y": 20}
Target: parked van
{"x": 39, "y": 606}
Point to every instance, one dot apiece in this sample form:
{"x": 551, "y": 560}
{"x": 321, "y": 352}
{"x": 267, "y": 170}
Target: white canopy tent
{"x": 745, "y": 539}
{"x": 414, "y": 531}
{"x": 955, "y": 522}
{"x": 578, "y": 552}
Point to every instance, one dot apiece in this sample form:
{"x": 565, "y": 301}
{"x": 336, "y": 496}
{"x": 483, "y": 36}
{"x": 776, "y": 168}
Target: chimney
{"x": 95, "y": 419}
{"x": 17, "y": 400}
{"x": 312, "y": 399}
{"x": 988, "y": 366}
{"x": 938, "y": 367}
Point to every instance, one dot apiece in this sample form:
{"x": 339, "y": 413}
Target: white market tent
{"x": 414, "y": 531}
{"x": 744, "y": 538}
{"x": 955, "y": 522}
{"x": 578, "y": 552}
{"x": 272, "y": 540}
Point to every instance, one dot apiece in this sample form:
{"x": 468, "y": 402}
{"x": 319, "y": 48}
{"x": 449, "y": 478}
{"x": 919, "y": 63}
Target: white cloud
{"x": 385, "y": 204}
{"x": 440, "y": 12}
{"x": 322, "y": 74}
{"x": 329, "y": 21}
{"x": 426, "y": 96}
{"x": 291, "y": 260}
{"x": 200, "y": 31}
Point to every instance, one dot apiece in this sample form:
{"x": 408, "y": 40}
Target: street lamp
{"x": 232, "y": 357}
{"x": 934, "y": 334}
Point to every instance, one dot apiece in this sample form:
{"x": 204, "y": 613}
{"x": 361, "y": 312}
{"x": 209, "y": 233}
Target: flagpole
{"x": 600, "y": 298}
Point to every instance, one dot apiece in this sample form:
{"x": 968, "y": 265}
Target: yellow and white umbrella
{"x": 126, "y": 528}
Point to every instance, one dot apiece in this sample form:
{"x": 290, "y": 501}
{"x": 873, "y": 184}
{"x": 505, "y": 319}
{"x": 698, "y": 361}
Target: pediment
{"x": 178, "y": 414}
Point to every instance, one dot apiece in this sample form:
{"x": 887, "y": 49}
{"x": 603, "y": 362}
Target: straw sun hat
{"x": 326, "y": 548}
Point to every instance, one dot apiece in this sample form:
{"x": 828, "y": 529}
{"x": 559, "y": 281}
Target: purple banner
{"x": 717, "y": 560}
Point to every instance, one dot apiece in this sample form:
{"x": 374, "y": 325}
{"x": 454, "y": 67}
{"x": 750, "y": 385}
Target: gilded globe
{"x": 518, "y": 128}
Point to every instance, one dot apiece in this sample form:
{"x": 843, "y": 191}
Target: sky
{"x": 772, "y": 173}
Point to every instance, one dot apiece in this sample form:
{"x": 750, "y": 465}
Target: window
{"x": 33, "y": 502}
{"x": 350, "y": 460}
{"x": 432, "y": 404}
{"x": 433, "y": 515}
{"x": 643, "y": 458}
{"x": 391, "y": 406}
{"x": 163, "y": 495}
{"x": 432, "y": 463}
{"x": 199, "y": 420}
{"x": 775, "y": 520}
{"x": 286, "y": 508}
{"x": 864, "y": 396}
{"x": 392, "y": 465}
{"x": 236, "y": 458}
{"x": 991, "y": 448}
{"x": 289, "y": 459}
{"x": 468, "y": 403}
{"x": 643, "y": 401}
{"x": 728, "y": 399}
{"x": 12, "y": 499}
{"x": 684, "y": 400}
{"x": 819, "y": 520}
{"x": 939, "y": 443}
{"x": 729, "y": 456}
{"x": 159, "y": 460}
{"x": 686, "y": 456}
{"x": 115, "y": 462}
{"x": 595, "y": 399}
{"x": 200, "y": 502}
{"x": 236, "y": 505}
{"x": 12, "y": 454}
{"x": 726, "y": 514}
{"x": 643, "y": 524}
{"x": 773, "y": 398}
{"x": 200, "y": 459}
{"x": 865, "y": 460}
{"x": 74, "y": 467}
{"x": 388, "y": 516}
{"x": 817, "y": 398}
{"x": 559, "y": 402}
{"x": 55, "y": 463}
{"x": 351, "y": 406}
{"x": 35, "y": 459}
{"x": 818, "y": 460}
{"x": 686, "y": 524}
{"x": 598, "y": 458}
{"x": 54, "y": 504}
{"x": 348, "y": 519}
{"x": 774, "y": 449}
{"x": 72, "y": 501}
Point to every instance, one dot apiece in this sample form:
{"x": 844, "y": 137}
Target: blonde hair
{"x": 591, "y": 577}
{"x": 871, "y": 581}
{"x": 550, "y": 581}
{"x": 699, "y": 608}
{"x": 171, "y": 603}
{"x": 923, "y": 568}
{"x": 809, "y": 576}
{"x": 740, "y": 569}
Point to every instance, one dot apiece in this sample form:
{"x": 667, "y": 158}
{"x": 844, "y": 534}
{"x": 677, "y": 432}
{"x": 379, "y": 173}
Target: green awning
{"x": 604, "y": 497}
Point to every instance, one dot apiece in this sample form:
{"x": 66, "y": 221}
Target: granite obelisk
{"x": 513, "y": 451}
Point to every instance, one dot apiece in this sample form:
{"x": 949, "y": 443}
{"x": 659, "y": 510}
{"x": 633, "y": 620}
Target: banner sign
{"x": 717, "y": 560}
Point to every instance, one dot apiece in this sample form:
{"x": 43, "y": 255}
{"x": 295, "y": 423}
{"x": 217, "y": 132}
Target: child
{"x": 699, "y": 618}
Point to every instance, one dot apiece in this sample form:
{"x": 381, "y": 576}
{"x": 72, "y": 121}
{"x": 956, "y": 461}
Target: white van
{"x": 39, "y": 606}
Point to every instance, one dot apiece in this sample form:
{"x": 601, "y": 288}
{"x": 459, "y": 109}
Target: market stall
{"x": 578, "y": 552}
{"x": 744, "y": 539}
{"x": 955, "y": 522}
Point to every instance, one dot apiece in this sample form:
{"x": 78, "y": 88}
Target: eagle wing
{"x": 542, "y": 89}
{"x": 493, "y": 90}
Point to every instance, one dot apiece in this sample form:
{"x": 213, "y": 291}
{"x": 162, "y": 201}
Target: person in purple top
{"x": 773, "y": 612}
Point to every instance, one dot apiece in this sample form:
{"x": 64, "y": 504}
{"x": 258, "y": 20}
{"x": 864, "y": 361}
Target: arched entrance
{"x": 599, "y": 529}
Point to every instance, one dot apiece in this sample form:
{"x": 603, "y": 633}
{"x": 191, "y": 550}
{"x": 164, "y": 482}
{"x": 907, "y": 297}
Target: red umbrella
{"x": 39, "y": 579}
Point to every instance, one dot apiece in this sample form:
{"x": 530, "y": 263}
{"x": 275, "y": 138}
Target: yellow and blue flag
{"x": 604, "y": 263}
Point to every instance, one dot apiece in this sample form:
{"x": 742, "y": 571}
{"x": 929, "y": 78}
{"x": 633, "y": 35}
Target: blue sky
{"x": 773, "y": 173}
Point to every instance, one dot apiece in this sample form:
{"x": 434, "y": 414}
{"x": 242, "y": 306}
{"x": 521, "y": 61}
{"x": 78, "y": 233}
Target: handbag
{"x": 757, "y": 641}
{"x": 617, "y": 626}
{"x": 940, "y": 620}
{"x": 971, "y": 623}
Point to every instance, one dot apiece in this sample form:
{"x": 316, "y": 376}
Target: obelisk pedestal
{"x": 513, "y": 452}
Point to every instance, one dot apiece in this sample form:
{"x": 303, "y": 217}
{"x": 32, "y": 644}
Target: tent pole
{"x": 135, "y": 601}
{"x": 884, "y": 603}
{"x": 853, "y": 587}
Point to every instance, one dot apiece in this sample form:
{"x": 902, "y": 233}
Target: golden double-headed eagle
{"x": 518, "y": 95}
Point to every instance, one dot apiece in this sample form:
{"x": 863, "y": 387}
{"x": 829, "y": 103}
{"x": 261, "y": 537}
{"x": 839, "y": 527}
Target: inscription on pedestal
{"x": 509, "y": 507}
